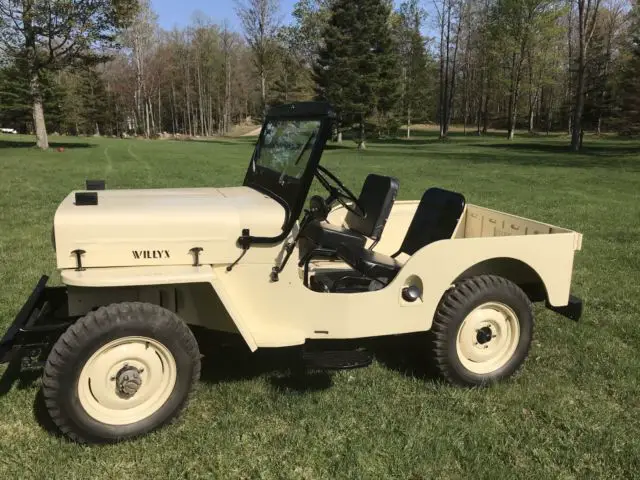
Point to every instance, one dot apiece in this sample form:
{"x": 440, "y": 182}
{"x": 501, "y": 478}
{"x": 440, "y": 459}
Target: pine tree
{"x": 15, "y": 97}
{"x": 15, "y": 104}
{"x": 356, "y": 70}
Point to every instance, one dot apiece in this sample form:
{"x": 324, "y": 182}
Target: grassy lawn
{"x": 574, "y": 412}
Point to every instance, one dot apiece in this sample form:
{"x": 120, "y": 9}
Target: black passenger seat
{"x": 435, "y": 219}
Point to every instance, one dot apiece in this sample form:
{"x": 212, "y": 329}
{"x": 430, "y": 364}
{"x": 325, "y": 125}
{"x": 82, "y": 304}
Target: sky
{"x": 172, "y": 13}
{"x": 179, "y": 13}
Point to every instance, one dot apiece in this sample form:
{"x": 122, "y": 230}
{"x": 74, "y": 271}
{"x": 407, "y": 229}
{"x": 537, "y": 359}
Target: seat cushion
{"x": 370, "y": 263}
{"x": 330, "y": 236}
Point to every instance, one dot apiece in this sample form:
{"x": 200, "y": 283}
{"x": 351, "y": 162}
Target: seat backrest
{"x": 435, "y": 219}
{"x": 376, "y": 199}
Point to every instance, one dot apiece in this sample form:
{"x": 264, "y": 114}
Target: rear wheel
{"x": 482, "y": 331}
{"x": 119, "y": 372}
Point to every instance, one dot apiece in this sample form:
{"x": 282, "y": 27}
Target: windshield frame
{"x": 292, "y": 192}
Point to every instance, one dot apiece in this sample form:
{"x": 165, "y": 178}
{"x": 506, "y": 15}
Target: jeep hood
{"x": 161, "y": 226}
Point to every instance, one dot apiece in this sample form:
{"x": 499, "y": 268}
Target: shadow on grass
{"x": 339, "y": 146}
{"x": 42, "y": 416}
{"x": 14, "y": 376}
{"x": 53, "y": 145}
{"x": 224, "y": 141}
{"x": 589, "y": 150}
{"x": 405, "y": 354}
{"x": 27, "y": 379}
{"x": 554, "y": 155}
{"x": 425, "y": 137}
{"x": 230, "y": 361}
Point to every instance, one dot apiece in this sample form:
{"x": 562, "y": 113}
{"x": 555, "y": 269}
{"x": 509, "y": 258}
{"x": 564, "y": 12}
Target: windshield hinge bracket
{"x": 288, "y": 250}
{"x": 244, "y": 241}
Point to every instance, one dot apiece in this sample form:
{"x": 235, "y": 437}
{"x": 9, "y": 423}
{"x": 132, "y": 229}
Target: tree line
{"x": 106, "y": 67}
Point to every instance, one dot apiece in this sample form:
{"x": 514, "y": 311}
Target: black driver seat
{"x": 435, "y": 219}
{"x": 376, "y": 199}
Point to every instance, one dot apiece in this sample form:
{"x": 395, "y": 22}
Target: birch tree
{"x": 260, "y": 21}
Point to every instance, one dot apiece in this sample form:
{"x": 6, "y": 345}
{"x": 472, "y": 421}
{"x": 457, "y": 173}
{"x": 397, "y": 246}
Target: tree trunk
{"x": 42, "y": 140}
{"x": 515, "y": 90}
{"x": 408, "y": 123}
{"x": 200, "y": 102}
{"x": 227, "y": 98}
{"x": 485, "y": 115}
{"x": 531, "y": 117}
{"x": 579, "y": 108}
{"x": 361, "y": 141}
{"x": 513, "y": 100}
{"x": 480, "y": 100}
{"x": 210, "y": 127}
{"x": 443, "y": 72}
{"x": 533, "y": 98}
{"x": 587, "y": 15}
{"x": 160, "y": 126}
{"x": 263, "y": 90}
{"x": 174, "y": 121}
{"x": 452, "y": 87}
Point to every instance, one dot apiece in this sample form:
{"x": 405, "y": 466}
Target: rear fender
{"x": 441, "y": 264}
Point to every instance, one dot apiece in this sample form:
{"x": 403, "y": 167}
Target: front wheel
{"x": 119, "y": 372}
{"x": 482, "y": 331}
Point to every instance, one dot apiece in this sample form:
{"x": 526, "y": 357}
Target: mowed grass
{"x": 574, "y": 412}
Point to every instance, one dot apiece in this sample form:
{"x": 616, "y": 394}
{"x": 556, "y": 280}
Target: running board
{"x": 336, "y": 359}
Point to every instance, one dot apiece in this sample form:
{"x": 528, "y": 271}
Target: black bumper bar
{"x": 573, "y": 310}
{"x": 39, "y": 323}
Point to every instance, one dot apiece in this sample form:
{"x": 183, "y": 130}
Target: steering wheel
{"x": 338, "y": 191}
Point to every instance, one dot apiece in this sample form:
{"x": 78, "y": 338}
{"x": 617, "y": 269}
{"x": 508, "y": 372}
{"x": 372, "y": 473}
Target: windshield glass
{"x": 286, "y": 146}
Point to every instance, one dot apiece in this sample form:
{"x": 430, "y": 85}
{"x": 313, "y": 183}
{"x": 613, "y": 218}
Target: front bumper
{"x": 39, "y": 323}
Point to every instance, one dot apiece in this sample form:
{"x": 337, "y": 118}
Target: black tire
{"x": 81, "y": 340}
{"x": 454, "y": 307}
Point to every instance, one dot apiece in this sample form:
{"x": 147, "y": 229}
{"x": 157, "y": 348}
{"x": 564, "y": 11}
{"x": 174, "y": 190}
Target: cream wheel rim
{"x": 127, "y": 380}
{"x": 488, "y": 338}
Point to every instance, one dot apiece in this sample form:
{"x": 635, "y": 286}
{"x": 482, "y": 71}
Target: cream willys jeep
{"x": 140, "y": 267}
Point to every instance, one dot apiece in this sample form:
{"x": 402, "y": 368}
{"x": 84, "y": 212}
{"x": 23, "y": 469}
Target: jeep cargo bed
{"x": 484, "y": 222}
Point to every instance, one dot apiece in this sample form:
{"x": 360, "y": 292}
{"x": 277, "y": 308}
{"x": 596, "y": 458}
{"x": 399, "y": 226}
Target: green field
{"x": 574, "y": 412}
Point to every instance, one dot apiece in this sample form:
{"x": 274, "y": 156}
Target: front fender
{"x": 160, "y": 275}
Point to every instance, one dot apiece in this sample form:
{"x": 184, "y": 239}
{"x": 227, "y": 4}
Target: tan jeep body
{"x": 138, "y": 242}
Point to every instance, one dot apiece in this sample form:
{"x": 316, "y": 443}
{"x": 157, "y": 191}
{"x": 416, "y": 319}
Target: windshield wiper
{"x": 304, "y": 149}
